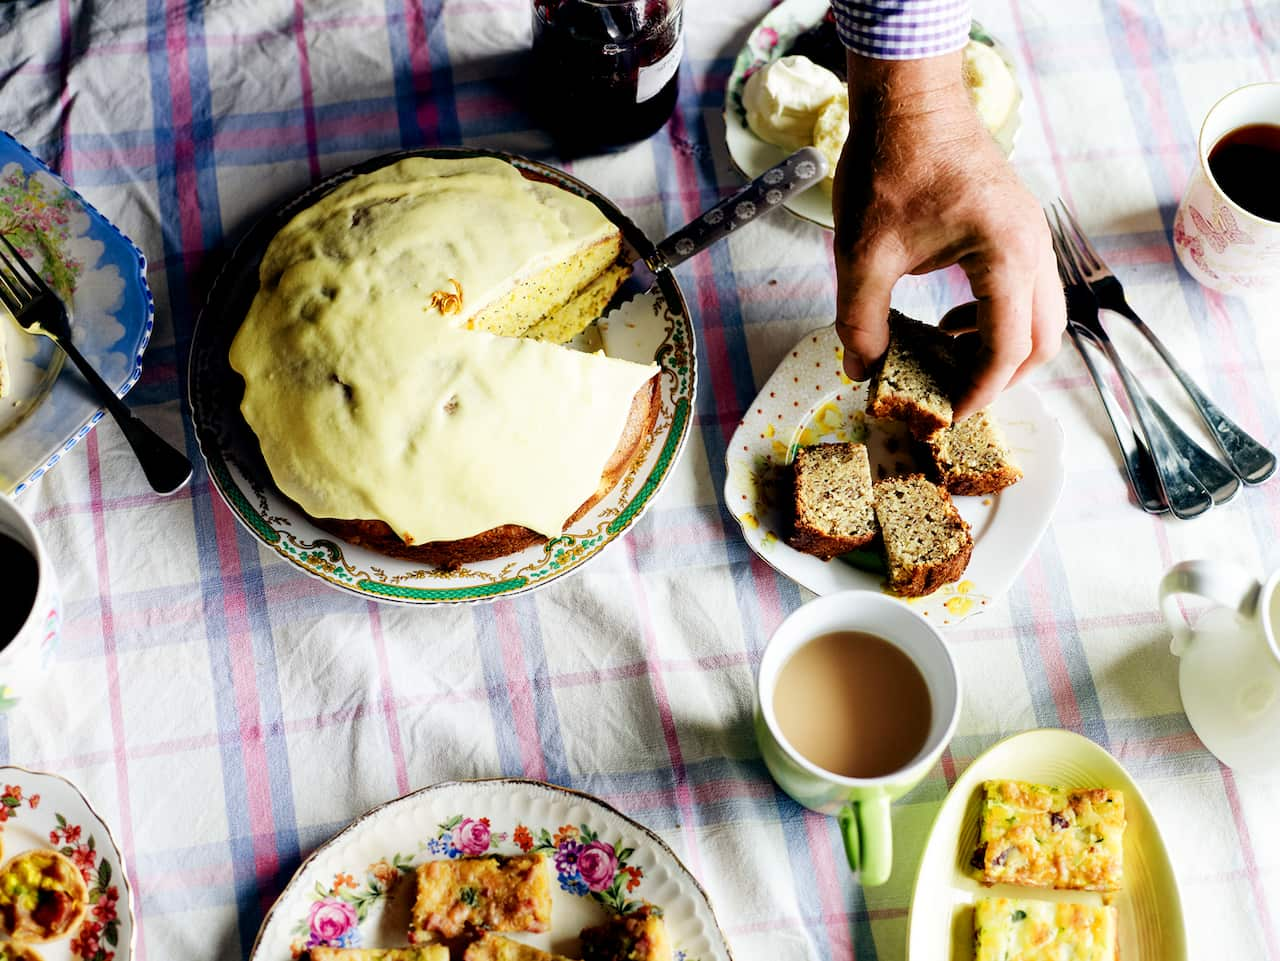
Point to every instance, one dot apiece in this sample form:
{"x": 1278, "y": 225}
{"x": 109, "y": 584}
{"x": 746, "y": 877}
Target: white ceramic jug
{"x": 1230, "y": 671}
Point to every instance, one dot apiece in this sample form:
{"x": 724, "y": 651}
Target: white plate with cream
{"x": 770, "y": 40}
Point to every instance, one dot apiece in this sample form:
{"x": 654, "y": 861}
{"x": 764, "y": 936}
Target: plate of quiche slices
{"x": 492, "y": 870}
{"x": 873, "y": 486}
{"x": 1045, "y": 848}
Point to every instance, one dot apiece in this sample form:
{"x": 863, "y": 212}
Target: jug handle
{"x": 1223, "y": 583}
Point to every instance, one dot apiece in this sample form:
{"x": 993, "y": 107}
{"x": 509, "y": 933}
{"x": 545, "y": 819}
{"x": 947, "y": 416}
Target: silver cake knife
{"x": 804, "y": 168}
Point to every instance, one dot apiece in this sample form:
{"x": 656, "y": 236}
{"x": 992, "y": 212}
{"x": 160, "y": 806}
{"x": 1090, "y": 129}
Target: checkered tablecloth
{"x": 227, "y": 713}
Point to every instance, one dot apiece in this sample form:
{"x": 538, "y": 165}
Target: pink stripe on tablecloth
{"x": 67, "y": 166}
{"x": 190, "y": 219}
{"x": 244, "y": 684}
{"x": 427, "y": 113}
{"x": 1049, "y": 643}
{"x": 1033, "y": 76}
{"x": 1260, "y": 38}
{"x": 389, "y": 711}
{"x": 114, "y": 703}
{"x": 683, "y": 796}
{"x": 835, "y": 919}
{"x": 308, "y": 97}
{"x": 1251, "y": 864}
{"x": 523, "y": 711}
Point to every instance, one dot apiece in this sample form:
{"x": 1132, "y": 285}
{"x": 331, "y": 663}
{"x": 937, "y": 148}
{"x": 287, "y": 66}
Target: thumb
{"x": 864, "y": 288}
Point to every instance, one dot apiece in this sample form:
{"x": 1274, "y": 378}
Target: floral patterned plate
{"x": 651, "y": 327}
{"x": 103, "y": 274}
{"x": 770, "y": 40}
{"x": 39, "y": 810}
{"x": 809, "y": 400}
{"x": 357, "y": 888}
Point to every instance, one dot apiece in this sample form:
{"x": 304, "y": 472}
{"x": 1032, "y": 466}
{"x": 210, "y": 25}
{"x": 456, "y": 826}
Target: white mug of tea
{"x": 30, "y": 608}
{"x": 1227, "y": 228}
{"x": 856, "y": 698}
{"x": 1230, "y": 670}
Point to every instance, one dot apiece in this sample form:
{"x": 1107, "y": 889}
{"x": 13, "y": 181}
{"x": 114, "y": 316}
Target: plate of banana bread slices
{"x": 504, "y": 869}
{"x": 840, "y": 485}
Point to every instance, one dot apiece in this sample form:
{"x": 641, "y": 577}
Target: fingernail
{"x": 854, "y": 369}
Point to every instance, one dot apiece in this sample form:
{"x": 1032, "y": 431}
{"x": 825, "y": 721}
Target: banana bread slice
{"x": 832, "y": 499}
{"x": 916, "y": 379}
{"x": 972, "y": 457}
{"x": 926, "y": 541}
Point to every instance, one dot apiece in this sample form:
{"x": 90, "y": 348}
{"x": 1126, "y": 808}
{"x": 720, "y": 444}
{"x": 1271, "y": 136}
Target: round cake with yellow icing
{"x": 404, "y": 369}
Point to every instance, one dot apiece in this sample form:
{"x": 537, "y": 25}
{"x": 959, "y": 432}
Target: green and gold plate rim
{"x": 241, "y": 480}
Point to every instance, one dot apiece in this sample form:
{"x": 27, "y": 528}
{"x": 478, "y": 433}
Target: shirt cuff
{"x": 902, "y": 29}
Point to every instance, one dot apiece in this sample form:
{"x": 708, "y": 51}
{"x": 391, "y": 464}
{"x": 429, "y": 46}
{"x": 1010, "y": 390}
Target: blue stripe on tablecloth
{"x": 1023, "y": 615}
{"x": 546, "y": 710}
{"x": 510, "y": 762}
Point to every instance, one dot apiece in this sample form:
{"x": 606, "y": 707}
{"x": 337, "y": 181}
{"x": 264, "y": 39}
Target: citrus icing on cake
{"x": 369, "y": 395}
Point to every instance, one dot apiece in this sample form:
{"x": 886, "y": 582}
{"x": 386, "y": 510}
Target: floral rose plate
{"x": 102, "y": 275}
{"x": 356, "y": 890}
{"x": 653, "y": 327}
{"x": 809, "y": 400}
{"x": 770, "y": 40}
{"x": 43, "y": 811}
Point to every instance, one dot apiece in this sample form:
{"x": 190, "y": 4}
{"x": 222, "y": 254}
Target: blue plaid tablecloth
{"x": 227, "y": 713}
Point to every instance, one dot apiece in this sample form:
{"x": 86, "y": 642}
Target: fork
{"x": 1172, "y": 452}
{"x": 1248, "y": 459}
{"x": 39, "y": 310}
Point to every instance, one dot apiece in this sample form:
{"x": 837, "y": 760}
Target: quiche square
{"x": 494, "y": 947}
{"x": 1007, "y": 929}
{"x": 481, "y": 894}
{"x": 1050, "y": 837}
{"x": 638, "y": 936}
{"x": 424, "y": 952}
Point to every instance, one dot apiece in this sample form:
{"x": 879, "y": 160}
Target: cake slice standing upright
{"x": 832, "y": 500}
{"x": 926, "y": 541}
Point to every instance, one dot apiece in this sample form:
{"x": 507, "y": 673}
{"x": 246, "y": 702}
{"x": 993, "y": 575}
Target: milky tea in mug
{"x": 853, "y": 704}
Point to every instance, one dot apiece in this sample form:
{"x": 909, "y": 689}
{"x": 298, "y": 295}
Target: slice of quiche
{"x": 425, "y": 952}
{"x": 1050, "y": 837}
{"x": 469, "y": 895}
{"x": 1006, "y": 929}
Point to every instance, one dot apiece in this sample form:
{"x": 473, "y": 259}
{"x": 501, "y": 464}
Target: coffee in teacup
{"x": 22, "y": 579}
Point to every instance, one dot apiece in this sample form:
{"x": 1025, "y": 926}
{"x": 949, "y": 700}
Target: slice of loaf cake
{"x": 916, "y": 379}
{"x": 926, "y": 541}
{"x": 971, "y": 457}
{"x": 832, "y": 500}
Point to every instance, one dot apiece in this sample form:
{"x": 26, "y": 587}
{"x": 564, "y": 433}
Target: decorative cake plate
{"x": 809, "y": 400}
{"x": 103, "y": 276}
{"x": 770, "y": 40}
{"x": 356, "y": 889}
{"x": 1148, "y": 906}
{"x": 655, "y": 326}
{"x": 44, "y": 811}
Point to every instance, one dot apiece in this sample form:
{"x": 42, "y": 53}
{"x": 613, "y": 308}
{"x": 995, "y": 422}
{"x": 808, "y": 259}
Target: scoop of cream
{"x": 783, "y": 99}
{"x": 990, "y": 83}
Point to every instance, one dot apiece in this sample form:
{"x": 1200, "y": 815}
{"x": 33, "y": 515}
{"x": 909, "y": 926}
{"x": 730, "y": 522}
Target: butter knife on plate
{"x": 800, "y": 171}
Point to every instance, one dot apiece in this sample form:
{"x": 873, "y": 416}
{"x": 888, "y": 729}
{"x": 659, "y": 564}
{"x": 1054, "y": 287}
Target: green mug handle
{"x": 868, "y": 839}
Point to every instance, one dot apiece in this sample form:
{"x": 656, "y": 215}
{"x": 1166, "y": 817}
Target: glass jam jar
{"x": 605, "y": 72}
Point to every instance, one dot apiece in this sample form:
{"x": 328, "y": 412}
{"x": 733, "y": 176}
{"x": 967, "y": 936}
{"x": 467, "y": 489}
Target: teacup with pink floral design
{"x": 1223, "y": 245}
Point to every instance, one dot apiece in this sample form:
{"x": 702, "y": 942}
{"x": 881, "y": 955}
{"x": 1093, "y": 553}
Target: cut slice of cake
{"x": 1050, "y": 837}
{"x": 916, "y": 379}
{"x": 971, "y": 456}
{"x": 1007, "y": 929}
{"x": 494, "y": 947}
{"x": 832, "y": 500}
{"x": 422, "y": 952}
{"x": 926, "y": 541}
{"x": 481, "y": 894}
{"x": 638, "y": 936}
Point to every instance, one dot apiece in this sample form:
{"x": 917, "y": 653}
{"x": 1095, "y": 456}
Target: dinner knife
{"x": 800, "y": 171}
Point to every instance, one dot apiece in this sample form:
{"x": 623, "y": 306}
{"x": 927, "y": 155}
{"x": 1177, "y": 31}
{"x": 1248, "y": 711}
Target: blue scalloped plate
{"x": 102, "y": 275}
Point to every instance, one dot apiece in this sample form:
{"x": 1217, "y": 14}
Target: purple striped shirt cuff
{"x": 902, "y": 29}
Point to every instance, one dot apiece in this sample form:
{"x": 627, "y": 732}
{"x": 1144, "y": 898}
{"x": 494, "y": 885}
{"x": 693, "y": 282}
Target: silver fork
{"x": 1172, "y": 452}
{"x": 39, "y": 310}
{"x": 1248, "y": 459}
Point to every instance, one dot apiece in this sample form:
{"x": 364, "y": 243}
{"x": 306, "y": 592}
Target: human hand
{"x": 922, "y": 185}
